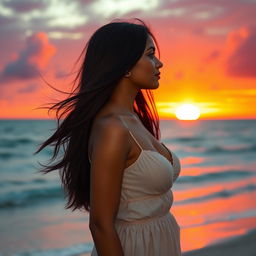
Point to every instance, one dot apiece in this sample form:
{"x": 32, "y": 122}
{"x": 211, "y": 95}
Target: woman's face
{"x": 145, "y": 74}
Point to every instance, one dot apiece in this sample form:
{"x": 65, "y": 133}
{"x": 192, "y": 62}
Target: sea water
{"x": 214, "y": 196}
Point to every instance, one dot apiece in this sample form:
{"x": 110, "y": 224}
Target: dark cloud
{"x": 241, "y": 62}
{"x": 61, "y": 74}
{"x": 25, "y": 5}
{"x": 20, "y": 69}
{"x": 29, "y": 88}
{"x": 6, "y": 20}
{"x": 31, "y": 59}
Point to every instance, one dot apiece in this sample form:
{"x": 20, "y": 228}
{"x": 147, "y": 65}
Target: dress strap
{"x": 131, "y": 133}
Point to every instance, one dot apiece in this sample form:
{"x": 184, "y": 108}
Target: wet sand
{"x": 241, "y": 245}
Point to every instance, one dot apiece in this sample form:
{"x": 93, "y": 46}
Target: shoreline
{"x": 236, "y": 246}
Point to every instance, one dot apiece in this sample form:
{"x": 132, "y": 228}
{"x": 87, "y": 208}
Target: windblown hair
{"x": 111, "y": 51}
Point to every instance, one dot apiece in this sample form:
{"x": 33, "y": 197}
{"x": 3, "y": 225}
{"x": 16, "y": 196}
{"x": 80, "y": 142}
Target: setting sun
{"x": 187, "y": 112}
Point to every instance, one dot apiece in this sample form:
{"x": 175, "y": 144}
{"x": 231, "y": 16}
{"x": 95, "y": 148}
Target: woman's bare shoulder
{"x": 108, "y": 122}
{"x": 108, "y": 129}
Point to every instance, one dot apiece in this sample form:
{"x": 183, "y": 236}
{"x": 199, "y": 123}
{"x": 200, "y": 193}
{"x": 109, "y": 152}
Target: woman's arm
{"x": 109, "y": 153}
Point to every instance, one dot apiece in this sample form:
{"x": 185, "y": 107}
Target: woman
{"x": 113, "y": 164}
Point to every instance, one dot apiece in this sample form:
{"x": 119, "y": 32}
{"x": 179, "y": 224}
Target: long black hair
{"x": 110, "y": 52}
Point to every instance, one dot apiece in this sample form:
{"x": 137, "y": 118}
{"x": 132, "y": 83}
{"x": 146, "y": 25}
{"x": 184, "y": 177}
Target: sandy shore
{"x": 242, "y": 245}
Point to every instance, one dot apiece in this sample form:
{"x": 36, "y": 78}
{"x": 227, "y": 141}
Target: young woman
{"x": 113, "y": 164}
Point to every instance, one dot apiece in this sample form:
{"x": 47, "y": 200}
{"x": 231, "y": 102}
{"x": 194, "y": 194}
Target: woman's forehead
{"x": 149, "y": 44}
{"x": 150, "y": 41}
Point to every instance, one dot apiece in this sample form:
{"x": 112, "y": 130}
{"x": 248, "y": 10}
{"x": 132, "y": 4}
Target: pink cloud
{"x": 24, "y": 5}
{"x": 31, "y": 60}
{"x": 242, "y": 53}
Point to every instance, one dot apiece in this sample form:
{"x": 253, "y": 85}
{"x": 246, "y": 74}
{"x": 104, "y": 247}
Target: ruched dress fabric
{"x": 144, "y": 223}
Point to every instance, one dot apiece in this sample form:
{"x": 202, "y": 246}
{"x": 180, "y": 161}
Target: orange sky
{"x": 208, "y": 49}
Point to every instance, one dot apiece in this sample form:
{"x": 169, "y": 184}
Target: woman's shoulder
{"x": 108, "y": 126}
{"x": 108, "y": 121}
{"x": 117, "y": 120}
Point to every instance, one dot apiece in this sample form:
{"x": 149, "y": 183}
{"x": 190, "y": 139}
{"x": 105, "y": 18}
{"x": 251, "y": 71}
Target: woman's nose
{"x": 159, "y": 64}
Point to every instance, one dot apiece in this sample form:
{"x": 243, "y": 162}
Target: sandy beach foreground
{"x": 241, "y": 245}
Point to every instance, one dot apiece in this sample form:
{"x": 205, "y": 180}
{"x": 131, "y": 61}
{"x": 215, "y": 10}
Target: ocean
{"x": 214, "y": 196}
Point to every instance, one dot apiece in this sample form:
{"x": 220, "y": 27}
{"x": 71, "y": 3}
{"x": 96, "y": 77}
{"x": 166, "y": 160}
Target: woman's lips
{"x": 158, "y": 75}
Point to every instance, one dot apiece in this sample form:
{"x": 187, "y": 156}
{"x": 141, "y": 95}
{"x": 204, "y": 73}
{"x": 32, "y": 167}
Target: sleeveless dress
{"x": 144, "y": 223}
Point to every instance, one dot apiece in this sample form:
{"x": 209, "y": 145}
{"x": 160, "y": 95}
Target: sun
{"x": 187, "y": 112}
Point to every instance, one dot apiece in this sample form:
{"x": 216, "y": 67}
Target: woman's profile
{"x": 110, "y": 157}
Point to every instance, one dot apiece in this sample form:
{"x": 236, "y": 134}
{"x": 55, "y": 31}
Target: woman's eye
{"x": 151, "y": 55}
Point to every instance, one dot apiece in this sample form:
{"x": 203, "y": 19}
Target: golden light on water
{"x": 187, "y": 112}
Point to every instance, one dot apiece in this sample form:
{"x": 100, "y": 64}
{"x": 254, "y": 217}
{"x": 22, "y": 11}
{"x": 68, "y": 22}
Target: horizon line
{"x": 163, "y": 118}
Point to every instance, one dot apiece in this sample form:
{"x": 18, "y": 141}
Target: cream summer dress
{"x": 144, "y": 223}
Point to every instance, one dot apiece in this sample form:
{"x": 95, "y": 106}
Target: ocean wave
{"x": 30, "y": 196}
{"x": 231, "y": 149}
{"x": 212, "y": 177}
{"x": 6, "y": 183}
{"x": 10, "y": 155}
{"x": 13, "y": 142}
{"x": 69, "y": 251}
{"x": 188, "y": 139}
{"x": 224, "y": 193}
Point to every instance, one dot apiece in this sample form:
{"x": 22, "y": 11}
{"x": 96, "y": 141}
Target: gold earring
{"x": 128, "y": 74}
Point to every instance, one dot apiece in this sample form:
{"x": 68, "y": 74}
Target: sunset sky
{"x": 208, "y": 49}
